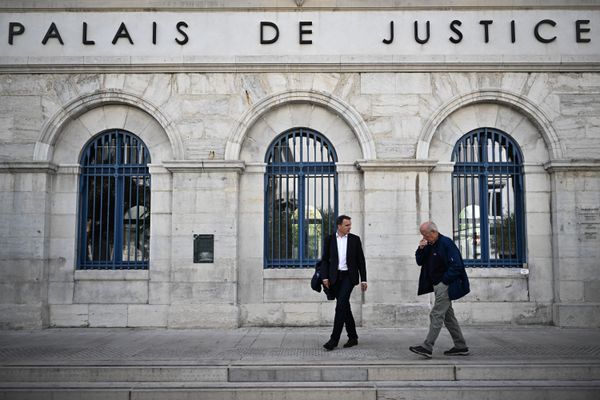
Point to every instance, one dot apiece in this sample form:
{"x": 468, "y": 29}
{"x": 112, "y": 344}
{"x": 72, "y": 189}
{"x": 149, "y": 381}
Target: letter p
{"x": 14, "y": 29}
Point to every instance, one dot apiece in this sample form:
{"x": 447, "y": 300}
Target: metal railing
{"x": 114, "y": 212}
{"x": 301, "y": 200}
{"x": 488, "y": 199}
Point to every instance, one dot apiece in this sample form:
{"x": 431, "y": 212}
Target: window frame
{"x": 99, "y": 161}
{"x": 472, "y": 163}
{"x": 301, "y": 171}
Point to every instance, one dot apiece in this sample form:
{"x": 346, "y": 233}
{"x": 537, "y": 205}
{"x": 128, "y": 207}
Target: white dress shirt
{"x": 342, "y": 246}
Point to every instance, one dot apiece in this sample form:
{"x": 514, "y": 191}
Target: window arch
{"x": 488, "y": 199}
{"x": 301, "y": 200}
{"x": 114, "y": 207}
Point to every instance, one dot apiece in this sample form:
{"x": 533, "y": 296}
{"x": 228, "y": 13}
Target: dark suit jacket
{"x": 455, "y": 276}
{"x": 355, "y": 259}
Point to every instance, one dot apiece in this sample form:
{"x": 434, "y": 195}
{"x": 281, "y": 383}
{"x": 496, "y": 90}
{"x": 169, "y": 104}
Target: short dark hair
{"x": 340, "y": 219}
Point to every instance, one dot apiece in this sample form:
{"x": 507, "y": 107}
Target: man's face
{"x": 430, "y": 236}
{"x": 344, "y": 227}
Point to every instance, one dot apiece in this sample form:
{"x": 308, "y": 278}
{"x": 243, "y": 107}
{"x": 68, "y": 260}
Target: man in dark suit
{"x": 342, "y": 262}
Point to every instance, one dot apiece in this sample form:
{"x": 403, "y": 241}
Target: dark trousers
{"x": 343, "y": 312}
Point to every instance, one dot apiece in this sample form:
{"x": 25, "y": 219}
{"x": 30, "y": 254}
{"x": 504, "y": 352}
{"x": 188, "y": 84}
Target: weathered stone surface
{"x": 383, "y": 116}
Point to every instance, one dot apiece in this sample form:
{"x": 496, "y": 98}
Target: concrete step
{"x": 359, "y": 372}
{"x": 411, "y": 380}
{"x": 396, "y": 390}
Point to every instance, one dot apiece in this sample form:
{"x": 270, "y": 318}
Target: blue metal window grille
{"x": 114, "y": 212}
{"x": 301, "y": 200}
{"x": 488, "y": 199}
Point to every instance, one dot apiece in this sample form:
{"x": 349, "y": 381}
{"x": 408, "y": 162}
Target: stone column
{"x": 155, "y": 313}
{"x": 397, "y": 200}
{"x": 25, "y": 230}
{"x": 205, "y": 201}
{"x": 576, "y": 242}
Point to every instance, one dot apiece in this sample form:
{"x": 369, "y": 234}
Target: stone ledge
{"x": 27, "y": 167}
{"x": 396, "y": 165}
{"x": 204, "y": 166}
{"x": 514, "y": 273}
{"x": 288, "y": 273}
{"x": 111, "y": 275}
{"x": 591, "y": 165}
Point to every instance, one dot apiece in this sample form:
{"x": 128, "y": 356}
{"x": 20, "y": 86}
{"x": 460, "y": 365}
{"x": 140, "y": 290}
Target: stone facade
{"x": 208, "y": 131}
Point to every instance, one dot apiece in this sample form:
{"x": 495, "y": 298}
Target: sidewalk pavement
{"x": 291, "y": 346}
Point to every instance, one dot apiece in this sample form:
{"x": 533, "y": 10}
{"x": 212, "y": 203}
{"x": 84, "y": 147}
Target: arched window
{"x": 488, "y": 199}
{"x": 301, "y": 200}
{"x": 114, "y": 208}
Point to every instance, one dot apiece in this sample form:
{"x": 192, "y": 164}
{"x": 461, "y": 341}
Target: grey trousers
{"x": 442, "y": 313}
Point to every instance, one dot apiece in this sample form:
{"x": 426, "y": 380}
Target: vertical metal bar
{"x": 509, "y": 189}
{"x": 503, "y": 149}
{"x": 266, "y": 212}
{"x": 482, "y": 196}
{"x": 291, "y": 139}
{"x": 317, "y": 212}
{"x": 83, "y": 224}
{"x": 129, "y": 222}
{"x": 473, "y": 221}
{"x": 459, "y": 169}
{"x": 108, "y": 221}
{"x": 101, "y": 250}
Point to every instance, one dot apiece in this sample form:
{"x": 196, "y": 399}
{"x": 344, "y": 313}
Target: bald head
{"x": 427, "y": 227}
{"x": 429, "y": 231}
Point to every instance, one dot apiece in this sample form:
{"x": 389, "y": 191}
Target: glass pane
{"x": 300, "y": 199}
{"x": 281, "y": 220}
{"x": 100, "y": 222}
{"x": 503, "y": 232}
{"x": 136, "y": 219}
{"x": 318, "y": 215}
{"x": 488, "y": 199}
{"x": 115, "y": 219}
{"x": 467, "y": 229}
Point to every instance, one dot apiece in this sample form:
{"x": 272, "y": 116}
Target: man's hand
{"x": 422, "y": 243}
{"x": 363, "y": 286}
{"x": 326, "y": 283}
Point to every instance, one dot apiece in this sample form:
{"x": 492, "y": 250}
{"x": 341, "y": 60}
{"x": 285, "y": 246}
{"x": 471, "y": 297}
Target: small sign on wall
{"x": 204, "y": 248}
{"x": 588, "y": 223}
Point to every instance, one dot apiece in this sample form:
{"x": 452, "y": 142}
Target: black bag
{"x": 316, "y": 283}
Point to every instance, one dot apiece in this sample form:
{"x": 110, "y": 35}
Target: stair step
{"x": 304, "y": 373}
{"x": 418, "y": 390}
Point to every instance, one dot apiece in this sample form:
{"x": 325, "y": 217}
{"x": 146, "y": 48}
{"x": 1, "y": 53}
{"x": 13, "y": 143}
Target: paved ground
{"x": 264, "y": 346}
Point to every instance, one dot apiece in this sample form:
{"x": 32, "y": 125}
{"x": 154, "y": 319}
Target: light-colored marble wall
{"x": 393, "y": 132}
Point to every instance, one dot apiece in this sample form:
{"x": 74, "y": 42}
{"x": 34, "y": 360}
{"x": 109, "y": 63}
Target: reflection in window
{"x": 488, "y": 209}
{"x": 114, "y": 227}
{"x": 300, "y": 198}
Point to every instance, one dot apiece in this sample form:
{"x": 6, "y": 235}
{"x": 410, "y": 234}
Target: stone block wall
{"x": 208, "y": 133}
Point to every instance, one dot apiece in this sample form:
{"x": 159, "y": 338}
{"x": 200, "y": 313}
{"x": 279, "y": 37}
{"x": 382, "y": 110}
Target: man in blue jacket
{"x": 442, "y": 272}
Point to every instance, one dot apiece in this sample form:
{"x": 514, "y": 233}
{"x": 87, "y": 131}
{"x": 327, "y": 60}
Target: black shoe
{"x": 351, "y": 343}
{"x": 330, "y": 345}
{"x": 457, "y": 352}
{"x": 420, "y": 350}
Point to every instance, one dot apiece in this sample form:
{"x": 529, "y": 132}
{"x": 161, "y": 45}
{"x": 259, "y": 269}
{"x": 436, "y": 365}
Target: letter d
{"x": 262, "y": 32}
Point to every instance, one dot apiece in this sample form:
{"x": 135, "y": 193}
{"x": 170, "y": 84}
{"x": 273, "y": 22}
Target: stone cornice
{"x": 24, "y": 66}
{"x": 572, "y": 165}
{"x": 396, "y": 165}
{"x": 200, "y": 166}
{"x": 290, "y": 5}
{"x": 27, "y": 167}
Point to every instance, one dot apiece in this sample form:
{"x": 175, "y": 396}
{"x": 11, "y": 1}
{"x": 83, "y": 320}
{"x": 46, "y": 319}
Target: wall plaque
{"x": 204, "y": 248}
